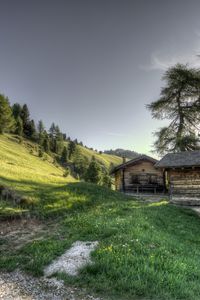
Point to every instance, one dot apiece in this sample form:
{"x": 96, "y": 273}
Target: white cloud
{"x": 162, "y": 60}
{"x": 159, "y": 62}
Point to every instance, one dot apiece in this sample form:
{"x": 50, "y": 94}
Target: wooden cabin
{"x": 182, "y": 172}
{"x": 139, "y": 175}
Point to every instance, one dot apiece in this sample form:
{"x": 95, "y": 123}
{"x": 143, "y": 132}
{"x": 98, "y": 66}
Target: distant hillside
{"x": 122, "y": 153}
{"x": 104, "y": 158}
{"x": 107, "y": 161}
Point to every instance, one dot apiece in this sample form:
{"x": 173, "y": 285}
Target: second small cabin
{"x": 182, "y": 172}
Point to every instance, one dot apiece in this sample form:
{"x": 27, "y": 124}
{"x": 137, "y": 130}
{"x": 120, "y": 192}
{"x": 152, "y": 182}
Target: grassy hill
{"x": 147, "y": 250}
{"x": 103, "y": 158}
{"x": 32, "y": 176}
{"x": 29, "y": 175}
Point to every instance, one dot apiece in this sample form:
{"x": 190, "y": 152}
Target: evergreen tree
{"x": 80, "y": 164}
{"x": 52, "y": 138}
{"x": 106, "y": 180}
{"x": 45, "y": 143}
{"x": 179, "y": 103}
{"x": 94, "y": 172}
{"x": 40, "y": 127}
{"x": 25, "y": 119}
{"x": 19, "y": 126}
{"x": 30, "y": 130}
{"x": 58, "y": 140}
{"x": 16, "y": 109}
{"x": 64, "y": 155}
{"x": 71, "y": 149}
{"x": 41, "y": 130}
{"x": 52, "y": 130}
{"x": 6, "y": 117}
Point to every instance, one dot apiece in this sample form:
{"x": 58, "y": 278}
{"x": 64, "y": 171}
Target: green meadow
{"x": 146, "y": 250}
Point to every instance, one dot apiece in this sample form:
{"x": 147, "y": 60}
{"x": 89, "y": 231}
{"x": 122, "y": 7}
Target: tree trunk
{"x": 181, "y": 123}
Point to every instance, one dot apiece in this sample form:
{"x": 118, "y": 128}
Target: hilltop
{"x": 122, "y": 153}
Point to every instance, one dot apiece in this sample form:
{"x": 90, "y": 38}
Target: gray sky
{"x": 92, "y": 65}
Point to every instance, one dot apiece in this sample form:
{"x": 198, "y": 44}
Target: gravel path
{"x": 73, "y": 259}
{"x": 19, "y": 286}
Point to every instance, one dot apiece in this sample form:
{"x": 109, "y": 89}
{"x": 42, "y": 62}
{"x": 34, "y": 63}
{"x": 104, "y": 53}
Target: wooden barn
{"x": 139, "y": 175}
{"x": 182, "y": 172}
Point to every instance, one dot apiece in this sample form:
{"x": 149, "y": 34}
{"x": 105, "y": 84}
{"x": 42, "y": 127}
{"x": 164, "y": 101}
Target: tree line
{"x": 16, "y": 119}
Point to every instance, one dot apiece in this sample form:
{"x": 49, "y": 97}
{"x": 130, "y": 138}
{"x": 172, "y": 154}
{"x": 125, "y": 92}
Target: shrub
{"x": 66, "y": 173}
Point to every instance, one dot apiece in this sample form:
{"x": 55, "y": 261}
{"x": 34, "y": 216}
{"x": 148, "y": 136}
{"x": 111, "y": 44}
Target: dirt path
{"x": 18, "y": 286}
{"x": 16, "y": 233}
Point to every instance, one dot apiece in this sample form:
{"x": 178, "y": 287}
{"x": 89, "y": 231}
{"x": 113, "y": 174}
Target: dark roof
{"x": 181, "y": 159}
{"x": 134, "y": 161}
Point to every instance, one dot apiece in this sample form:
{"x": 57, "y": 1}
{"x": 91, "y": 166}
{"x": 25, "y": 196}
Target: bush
{"x": 66, "y": 173}
{"x": 40, "y": 153}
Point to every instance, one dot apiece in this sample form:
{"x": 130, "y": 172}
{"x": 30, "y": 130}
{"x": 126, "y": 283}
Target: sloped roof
{"x": 134, "y": 161}
{"x": 181, "y": 159}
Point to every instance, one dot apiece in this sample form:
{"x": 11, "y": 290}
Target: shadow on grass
{"x": 56, "y": 199}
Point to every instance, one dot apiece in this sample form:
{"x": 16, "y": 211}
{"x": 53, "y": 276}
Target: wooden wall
{"x": 143, "y": 169}
{"x": 184, "y": 186}
{"x": 118, "y": 180}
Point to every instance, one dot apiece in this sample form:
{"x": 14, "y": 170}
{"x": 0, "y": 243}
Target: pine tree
{"x": 52, "y": 138}
{"x": 80, "y": 164}
{"x": 59, "y": 138}
{"x": 30, "y": 131}
{"x": 179, "y": 103}
{"x": 41, "y": 130}
{"x": 106, "y": 180}
{"x": 71, "y": 149}
{"x": 25, "y": 115}
{"x": 16, "y": 109}
{"x": 45, "y": 143}
{"x": 6, "y": 118}
{"x": 27, "y": 124}
{"x": 94, "y": 172}
{"x": 64, "y": 155}
{"x": 40, "y": 127}
{"x": 52, "y": 130}
{"x": 19, "y": 126}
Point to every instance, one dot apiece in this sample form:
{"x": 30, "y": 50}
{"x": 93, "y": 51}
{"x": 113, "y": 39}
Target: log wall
{"x": 144, "y": 170}
{"x": 184, "y": 186}
{"x": 118, "y": 180}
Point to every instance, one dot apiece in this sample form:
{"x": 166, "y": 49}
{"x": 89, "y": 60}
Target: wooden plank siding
{"x": 184, "y": 186}
{"x": 140, "y": 176}
{"x": 143, "y": 170}
{"x": 118, "y": 180}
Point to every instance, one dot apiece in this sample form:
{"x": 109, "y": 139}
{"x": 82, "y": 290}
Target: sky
{"x": 91, "y": 66}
